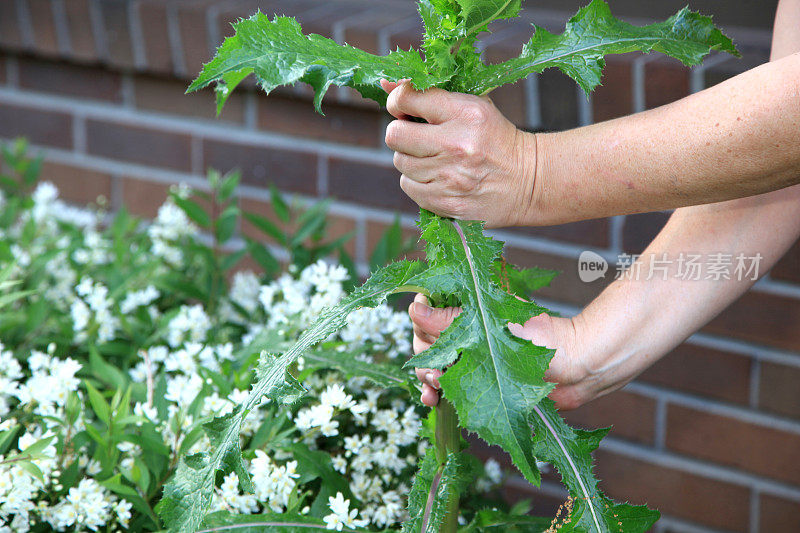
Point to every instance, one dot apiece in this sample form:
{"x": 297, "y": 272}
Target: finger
{"x": 415, "y": 168}
{"x": 429, "y": 376}
{"x": 430, "y": 320}
{"x": 420, "y": 345}
{"x": 434, "y": 105}
{"x": 413, "y": 138}
{"x": 390, "y": 86}
{"x": 424, "y": 336}
{"x": 429, "y": 396}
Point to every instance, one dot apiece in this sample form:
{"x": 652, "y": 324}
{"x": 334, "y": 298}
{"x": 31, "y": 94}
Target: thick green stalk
{"x": 448, "y": 440}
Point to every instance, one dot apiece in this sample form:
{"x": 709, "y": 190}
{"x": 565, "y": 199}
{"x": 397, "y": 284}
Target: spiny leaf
{"x": 188, "y": 495}
{"x": 491, "y": 520}
{"x": 265, "y": 523}
{"x": 278, "y": 53}
{"x": 594, "y": 33}
{"x": 382, "y": 374}
{"x": 434, "y": 486}
{"x": 479, "y": 13}
{"x": 569, "y": 450}
{"x": 498, "y": 378}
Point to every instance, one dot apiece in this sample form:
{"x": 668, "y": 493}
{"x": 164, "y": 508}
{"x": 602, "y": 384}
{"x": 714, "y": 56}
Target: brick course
{"x": 708, "y": 434}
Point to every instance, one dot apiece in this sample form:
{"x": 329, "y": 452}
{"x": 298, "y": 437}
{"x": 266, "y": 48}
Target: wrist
{"x": 539, "y": 209}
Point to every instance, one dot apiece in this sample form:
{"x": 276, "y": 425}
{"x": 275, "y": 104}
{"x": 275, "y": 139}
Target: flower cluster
{"x": 132, "y": 338}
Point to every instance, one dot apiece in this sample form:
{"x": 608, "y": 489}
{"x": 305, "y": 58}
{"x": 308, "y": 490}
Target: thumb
{"x": 540, "y": 330}
{"x": 431, "y": 321}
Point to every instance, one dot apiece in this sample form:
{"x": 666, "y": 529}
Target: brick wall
{"x": 710, "y": 435}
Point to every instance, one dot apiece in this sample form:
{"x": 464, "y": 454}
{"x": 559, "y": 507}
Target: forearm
{"x": 651, "y": 317}
{"x": 733, "y": 140}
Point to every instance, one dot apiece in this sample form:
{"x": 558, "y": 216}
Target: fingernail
{"x": 429, "y": 379}
{"x": 422, "y": 309}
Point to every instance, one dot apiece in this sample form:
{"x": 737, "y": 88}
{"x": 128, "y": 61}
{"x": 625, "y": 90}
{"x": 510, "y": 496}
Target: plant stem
{"x": 448, "y": 440}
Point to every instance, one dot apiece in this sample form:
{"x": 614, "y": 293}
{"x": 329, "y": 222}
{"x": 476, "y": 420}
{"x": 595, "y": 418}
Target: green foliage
{"x": 494, "y": 380}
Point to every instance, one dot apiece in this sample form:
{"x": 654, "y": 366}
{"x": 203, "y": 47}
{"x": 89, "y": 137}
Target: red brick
{"x": 666, "y": 81}
{"x": 727, "y": 441}
{"x": 614, "y": 98}
{"x": 362, "y": 30}
{"x": 592, "y": 233}
{"x": 118, "y": 34}
{"x": 194, "y": 36}
{"x": 10, "y": 35}
{"x": 155, "y": 33}
{"x": 77, "y": 185}
{"x": 82, "y": 39}
{"x": 631, "y": 415}
{"x": 143, "y": 198}
{"x": 48, "y": 128}
{"x": 44, "y": 27}
{"x": 779, "y": 389}
{"x": 368, "y": 184}
{"x": 70, "y": 80}
{"x": 341, "y": 123}
{"x": 558, "y": 100}
{"x": 788, "y": 268}
{"x": 639, "y": 230}
{"x": 167, "y": 95}
{"x": 566, "y": 287}
{"x": 778, "y": 515}
{"x": 288, "y": 170}
{"x": 762, "y": 318}
{"x": 681, "y": 494}
{"x": 139, "y": 145}
{"x": 704, "y": 372}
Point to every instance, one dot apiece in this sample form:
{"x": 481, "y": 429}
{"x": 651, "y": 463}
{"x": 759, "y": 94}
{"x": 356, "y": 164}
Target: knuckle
{"x": 475, "y": 111}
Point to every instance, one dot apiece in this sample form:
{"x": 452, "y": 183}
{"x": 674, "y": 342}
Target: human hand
{"x": 578, "y": 380}
{"x": 468, "y": 162}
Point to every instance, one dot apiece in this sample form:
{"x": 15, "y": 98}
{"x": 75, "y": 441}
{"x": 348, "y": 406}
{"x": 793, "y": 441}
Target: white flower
{"x": 493, "y": 471}
{"x": 245, "y": 291}
{"x": 336, "y": 397}
{"x": 183, "y": 390}
{"x": 341, "y": 515}
{"x": 137, "y": 299}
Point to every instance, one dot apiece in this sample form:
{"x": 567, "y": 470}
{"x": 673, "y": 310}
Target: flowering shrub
{"x": 120, "y": 340}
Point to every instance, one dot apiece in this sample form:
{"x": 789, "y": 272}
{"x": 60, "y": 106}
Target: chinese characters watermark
{"x": 684, "y": 266}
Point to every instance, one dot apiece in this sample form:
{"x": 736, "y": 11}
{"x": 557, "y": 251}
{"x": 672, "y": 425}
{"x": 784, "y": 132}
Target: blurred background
{"x": 710, "y": 435}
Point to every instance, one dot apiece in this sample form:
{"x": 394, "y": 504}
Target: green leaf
{"x": 267, "y": 226}
{"x": 434, "y": 487}
{"x": 229, "y": 184}
{"x": 492, "y": 520}
{"x": 108, "y": 374}
{"x": 319, "y": 465}
{"x": 266, "y": 523}
{"x": 382, "y": 374}
{"x": 569, "y": 450}
{"x": 36, "y": 449}
{"x": 279, "y": 204}
{"x": 99, "y": 404}
{"x": 497, "y": 378}
{"x": 225, "y": 225}
{"x": 32, "y": 469}
{"x": 593, "y": 33}
{"x": 389, "y": 246}
{"x": 479, "y": 13}
{"x": 193, "y": 210}
{"x": 278, "y": 53}
{"x": 188, "y": 495}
